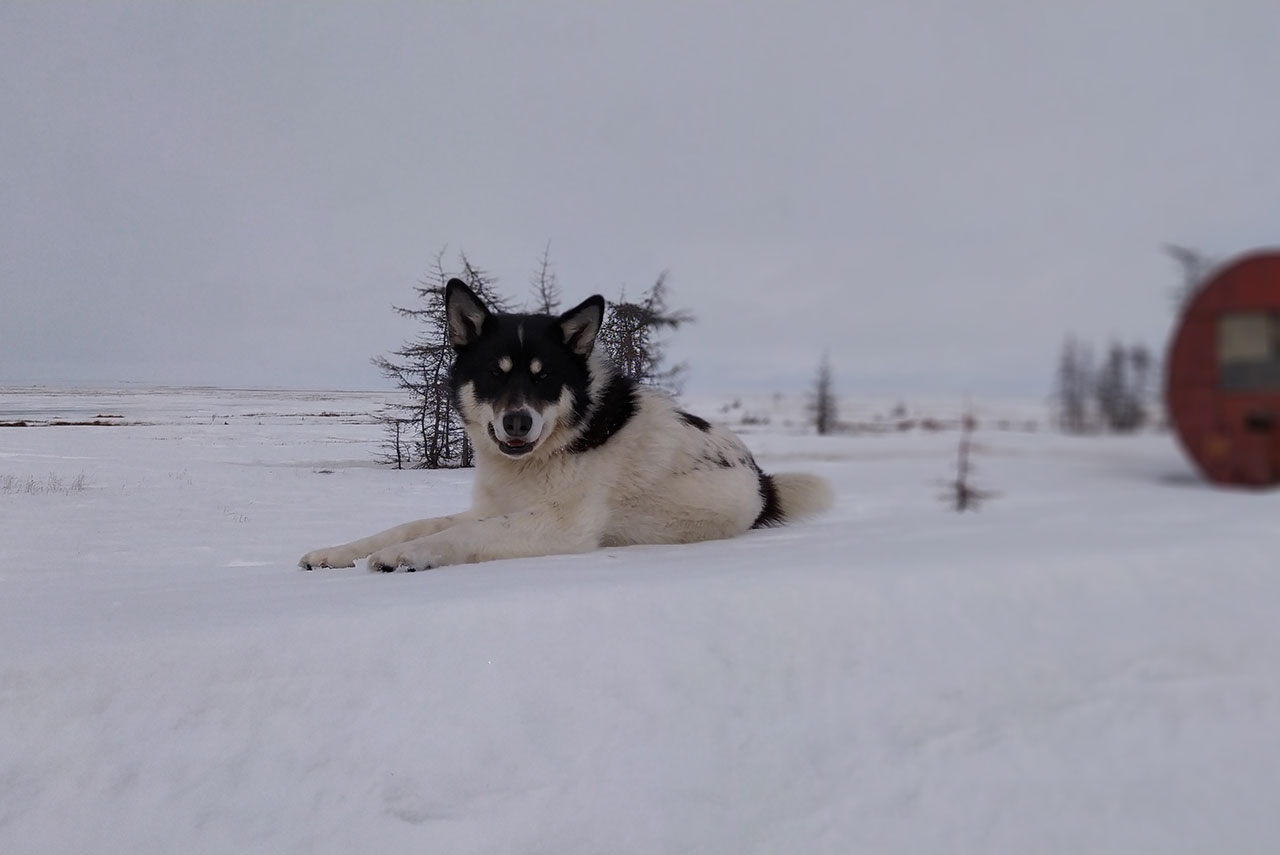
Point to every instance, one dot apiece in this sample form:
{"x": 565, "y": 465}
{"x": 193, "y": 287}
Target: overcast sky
{"x": 236, "y": 193}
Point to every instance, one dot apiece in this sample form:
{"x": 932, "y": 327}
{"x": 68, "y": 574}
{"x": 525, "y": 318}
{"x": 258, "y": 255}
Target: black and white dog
{"x": 571, "y": 456}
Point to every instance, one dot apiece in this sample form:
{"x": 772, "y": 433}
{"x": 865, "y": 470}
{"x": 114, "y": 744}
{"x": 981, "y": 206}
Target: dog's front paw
{"x": 334, "y": 556}
{"x": 407, "y": 557}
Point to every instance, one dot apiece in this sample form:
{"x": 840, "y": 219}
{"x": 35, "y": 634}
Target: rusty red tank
{"x": 1223, "y": 373}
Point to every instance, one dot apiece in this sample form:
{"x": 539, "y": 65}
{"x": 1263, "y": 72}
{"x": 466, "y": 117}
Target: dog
{"x": 572, "y": 456}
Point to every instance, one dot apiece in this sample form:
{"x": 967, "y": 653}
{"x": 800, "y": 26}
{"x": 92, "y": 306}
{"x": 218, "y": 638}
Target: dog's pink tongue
{"x": 516, "y": 443}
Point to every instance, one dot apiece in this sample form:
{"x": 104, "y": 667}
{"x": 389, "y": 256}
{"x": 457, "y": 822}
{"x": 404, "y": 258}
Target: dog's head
{"x": 520, "y": 381}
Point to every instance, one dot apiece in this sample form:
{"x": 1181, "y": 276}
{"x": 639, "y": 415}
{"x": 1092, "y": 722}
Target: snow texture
{"x": 1087, "y": 664}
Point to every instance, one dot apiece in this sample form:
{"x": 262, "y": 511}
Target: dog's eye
{"x": 495, "y": 371}
{"x": 541, "y": 377}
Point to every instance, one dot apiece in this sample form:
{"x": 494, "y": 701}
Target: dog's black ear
{"x": 581, "y": 324}
{"x": 466, "y": 312}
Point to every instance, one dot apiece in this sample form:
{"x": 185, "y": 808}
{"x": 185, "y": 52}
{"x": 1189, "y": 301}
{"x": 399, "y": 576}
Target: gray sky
{"x": 236, "y": 193}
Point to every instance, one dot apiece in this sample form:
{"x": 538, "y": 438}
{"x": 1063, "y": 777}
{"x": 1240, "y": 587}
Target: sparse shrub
{"x": 51, "y": 484}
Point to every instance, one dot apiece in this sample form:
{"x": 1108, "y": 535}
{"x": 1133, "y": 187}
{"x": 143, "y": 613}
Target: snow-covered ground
{"x": 1091, "y": 663}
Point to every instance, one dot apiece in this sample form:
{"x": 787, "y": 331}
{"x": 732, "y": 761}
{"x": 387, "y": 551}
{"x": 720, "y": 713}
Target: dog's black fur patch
{"x": 694, "y": 421}
{"x": 616, "y": 407}
{"x": 771, "y": 512}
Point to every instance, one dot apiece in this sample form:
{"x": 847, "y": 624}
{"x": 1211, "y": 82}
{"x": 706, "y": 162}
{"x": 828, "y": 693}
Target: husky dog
{"x": 571, "y": 456}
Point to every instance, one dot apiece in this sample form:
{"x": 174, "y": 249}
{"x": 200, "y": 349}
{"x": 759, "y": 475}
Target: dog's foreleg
{"x": 552, "y": 530}
{"x": 348, "y": 554}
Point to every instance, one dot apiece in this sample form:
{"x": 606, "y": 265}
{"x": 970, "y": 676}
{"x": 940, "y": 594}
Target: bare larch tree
{"x": 822, "y": 404}
{"x": 1121, "y": 388}
{"x": 1195, "y": 267}
{"x": 1074, "y": 387}
{"x": 546, "y": 290}
{"x": 632, "y": 337}
{"x": 961, "y": 494}
{"x": 422, "y": 429}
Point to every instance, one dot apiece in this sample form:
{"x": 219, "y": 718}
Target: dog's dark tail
{"x": 790, "y": 496}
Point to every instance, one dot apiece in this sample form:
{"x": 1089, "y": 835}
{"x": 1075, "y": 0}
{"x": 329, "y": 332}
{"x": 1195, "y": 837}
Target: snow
{"x": 1087, "y": 664}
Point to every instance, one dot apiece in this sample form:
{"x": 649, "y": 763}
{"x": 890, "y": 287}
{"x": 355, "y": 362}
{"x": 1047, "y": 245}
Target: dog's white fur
{"x": 657, "y": 480}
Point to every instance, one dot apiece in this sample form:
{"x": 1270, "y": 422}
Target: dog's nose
{"x": 517, "y": 423}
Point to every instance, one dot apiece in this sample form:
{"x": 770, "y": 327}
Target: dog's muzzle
{"x": 517, "y": 431}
